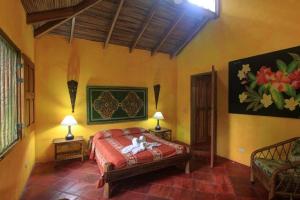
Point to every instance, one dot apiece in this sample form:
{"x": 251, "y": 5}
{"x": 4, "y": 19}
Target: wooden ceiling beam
{"x": 56, "y": 14}
{"x": 78, "y": 9}
{"x": 145, "y": 24}
{"x": 190, "y": 37}
{"x": 167, "y": 33}
{"x": 49, "y": 15}
{"x": 72, "y": 29}
{"x": 114, "y": 23}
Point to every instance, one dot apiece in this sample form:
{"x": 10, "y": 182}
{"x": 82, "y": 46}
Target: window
{"x": 207, "y": 4}
{"x": 9, "y": 93}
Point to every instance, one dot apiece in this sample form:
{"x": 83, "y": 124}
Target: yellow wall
{"x": 114, "y": 66}
{"x": 245, "y": 28}
{"x": 16, "y": 166}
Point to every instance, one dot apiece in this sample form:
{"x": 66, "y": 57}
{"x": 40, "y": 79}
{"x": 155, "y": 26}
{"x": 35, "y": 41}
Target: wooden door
{"x": 201, "y": 86}
{"x": 203, "y": 114}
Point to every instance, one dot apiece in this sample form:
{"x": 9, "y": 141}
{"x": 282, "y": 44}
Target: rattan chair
{"x": 284, "y": 180}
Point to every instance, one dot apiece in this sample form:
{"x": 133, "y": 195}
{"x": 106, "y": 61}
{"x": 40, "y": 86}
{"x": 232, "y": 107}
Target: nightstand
{"x": 68, "y": 149}
{"x": 163, "y": 133}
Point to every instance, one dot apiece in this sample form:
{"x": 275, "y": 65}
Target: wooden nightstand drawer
{"x": 68, "y": 149}
{"x": 163, "y": 133}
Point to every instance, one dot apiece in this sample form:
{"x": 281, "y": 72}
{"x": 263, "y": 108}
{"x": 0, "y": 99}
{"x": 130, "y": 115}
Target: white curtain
{"x": 9, "y": 60}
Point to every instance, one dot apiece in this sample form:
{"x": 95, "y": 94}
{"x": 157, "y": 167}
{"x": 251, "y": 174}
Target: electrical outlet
{"x": 242, "y": 150}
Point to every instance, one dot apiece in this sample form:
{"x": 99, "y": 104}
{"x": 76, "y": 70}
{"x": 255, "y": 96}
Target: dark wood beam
{"x": 56, "y": 14}
{"x": 190, "y": 37}
{"x": 81, "y": 7}
{"x": 114, "y": 23}
{"x": 72, "y": 29}
{"x": 47, "y": 27}
{"x": 49, "y": 15}
{"x": 167, "y": 33}
{"x": 146, "y": 24}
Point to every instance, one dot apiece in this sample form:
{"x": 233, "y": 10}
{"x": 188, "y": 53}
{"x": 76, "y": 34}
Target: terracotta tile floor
{"x": 76, "y": 180}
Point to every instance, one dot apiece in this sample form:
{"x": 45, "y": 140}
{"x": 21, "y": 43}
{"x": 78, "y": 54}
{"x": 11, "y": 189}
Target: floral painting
{"x": 267, "y": 84}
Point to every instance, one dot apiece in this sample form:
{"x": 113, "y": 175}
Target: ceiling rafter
{"x": 49, "y": 15}
{"x": 72, "y": 29}
{"x": 134, "y": 23}
{"x": 167, "y": 33}
{"x": 78, "y": 9}
{"x": 190, "y": 37}
{"x": 114, "y": 23}
{"x": 145, "y": 24}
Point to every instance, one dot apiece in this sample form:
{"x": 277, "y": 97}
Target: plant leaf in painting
{"x": 261, "y": 89}
{"x": 253, "y": 85}
{"x": 251, "y": 76}
{"x": 292, "y": 66}
{"x": 277, "y": 98}
{"x": 290, "y": 90}
{"x": 295, "y": 56}
{"x": 268, "y": 86}
{"x": 298, "y": 98}
{"x": 281, "y": 65}
{"x": 251, "y": 105}
{"x": 252, "y": 92}
{"x": 257, "y": 107}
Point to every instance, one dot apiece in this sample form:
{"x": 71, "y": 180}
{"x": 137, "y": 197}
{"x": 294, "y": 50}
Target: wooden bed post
{"x": 187, "y": 167}
{"x": 251, "y": 174}
{"x": 187, "y": 164}
{"x": 106, "y": 188}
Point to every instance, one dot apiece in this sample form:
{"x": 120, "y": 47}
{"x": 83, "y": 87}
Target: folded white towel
{"x": 138, "y": 145}
{"x": 142, "y": 139}
{"x": 142, "y": 147}
{"x": 150, "y": 145}
{"x": 135, "y": 142}
{"x": 127, "y": 149}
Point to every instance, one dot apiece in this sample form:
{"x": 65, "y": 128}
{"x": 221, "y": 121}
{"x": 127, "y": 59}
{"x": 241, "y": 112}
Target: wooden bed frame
{"x": 112, "y": 175}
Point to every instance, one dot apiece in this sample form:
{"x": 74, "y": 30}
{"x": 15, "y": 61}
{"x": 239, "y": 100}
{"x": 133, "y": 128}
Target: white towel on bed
{"x": 138, "y": 145}
{"x": 134, "y": 144}
{"x": 150, "y": 145}
{"x": 142, "y": 139}
{"x": 140, "y": 148}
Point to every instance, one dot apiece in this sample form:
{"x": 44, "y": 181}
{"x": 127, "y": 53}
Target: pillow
{"x": 134, "y": 130}
{"x": 109, "y": 133}
{"x": 295, "y": 151}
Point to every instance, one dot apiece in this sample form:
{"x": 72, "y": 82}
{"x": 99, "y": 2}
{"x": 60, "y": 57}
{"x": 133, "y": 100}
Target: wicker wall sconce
{"x": 156, "y": 94}
{"x": 72, "y": 86}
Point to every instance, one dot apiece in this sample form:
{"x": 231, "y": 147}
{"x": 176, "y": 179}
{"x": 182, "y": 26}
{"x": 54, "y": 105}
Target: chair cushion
{"x": 295, "y": 151}
{"x": 268, "y": 166}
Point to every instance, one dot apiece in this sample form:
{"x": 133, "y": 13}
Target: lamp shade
{"x": 158, "y": 115}
{"x": 69, "y": 121}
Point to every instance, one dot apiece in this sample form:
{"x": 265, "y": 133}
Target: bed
{"x": 106, "y": 146}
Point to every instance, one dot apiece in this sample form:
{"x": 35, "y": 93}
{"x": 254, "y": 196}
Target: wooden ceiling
{"x": 153, "y": 25}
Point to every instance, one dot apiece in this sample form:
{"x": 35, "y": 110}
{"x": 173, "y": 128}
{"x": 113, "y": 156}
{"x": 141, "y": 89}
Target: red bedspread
{"x": 107, "y": 146}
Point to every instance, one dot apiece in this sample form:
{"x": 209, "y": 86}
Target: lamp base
{"x": 157, "y": 127}
{"x": 69, "y": 136}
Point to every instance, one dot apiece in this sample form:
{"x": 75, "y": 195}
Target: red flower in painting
{"x": 280, "y": 80}
{"x": 295, "y": 79}
{"x": 264, "y": 75}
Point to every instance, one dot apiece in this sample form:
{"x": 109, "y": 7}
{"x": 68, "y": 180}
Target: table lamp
{"x": 158, "y": 116}
{"x": 69, "y": 121}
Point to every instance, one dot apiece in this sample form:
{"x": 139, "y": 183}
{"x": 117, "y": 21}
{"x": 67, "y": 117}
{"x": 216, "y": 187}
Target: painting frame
{"x": 267, "y": 84}
{"x": 91, "y": 120}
